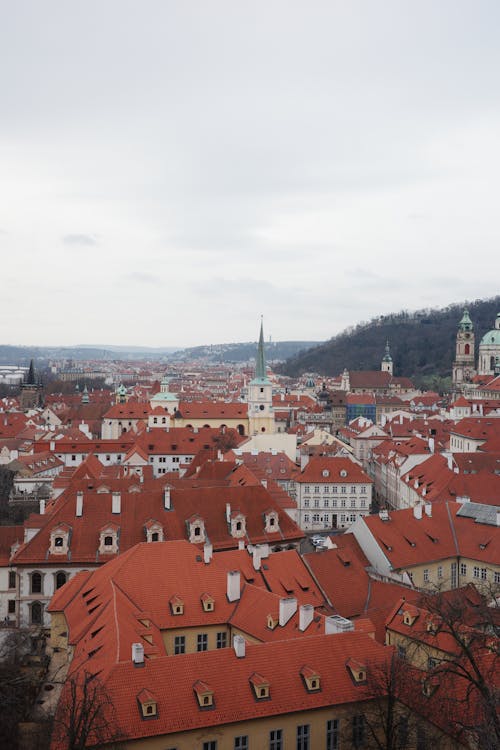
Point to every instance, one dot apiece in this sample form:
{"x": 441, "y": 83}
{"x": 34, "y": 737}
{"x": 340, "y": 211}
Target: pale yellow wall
{"x": 443, "y": 583}
{"x": 191, "y": 636}
{"x": 216, "y": 423}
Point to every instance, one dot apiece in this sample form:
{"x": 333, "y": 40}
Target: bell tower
{"x": 260, "y": 395}
{"x": 463, "y": 366}
{"x": 387, "y": 364}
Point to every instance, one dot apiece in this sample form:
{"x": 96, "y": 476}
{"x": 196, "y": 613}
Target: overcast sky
{"x": 170, "y": 170}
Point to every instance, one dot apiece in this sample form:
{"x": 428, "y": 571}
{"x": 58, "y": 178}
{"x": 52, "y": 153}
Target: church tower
{"x": 260, "y": 395}
{"x": 463, "y": 366}
{"x": 31, "y": 390}
{"x": 387, "y": 365}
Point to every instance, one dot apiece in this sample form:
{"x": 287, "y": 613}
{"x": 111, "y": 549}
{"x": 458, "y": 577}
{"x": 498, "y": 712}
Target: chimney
{"x": 450, "y": 462}
{"x": 138, "y": 654}
{"x": 207, "y": 552}
{"x": 116, "y": 502}
{"x": 52, "y": 446}
{"x": 338, "y": 624}
{"x": 428, "y": 509}
{"x": 497, "y": 519}
{"x": 228, "y": 512}
{"x": 42, "y": 506}
{"x": 167, "y": 502}
{"x": 239, "y": 644}
{"x": 233, "y": 585}
{"x": 219, "y": 455}
{"x": 306, "y": 614}
{"x": 288, "y": 607}
{"x": 431, "y": 445}
{"x": 256, "y": 557}
{"x": 417, "y": 512}
{"x": 79, "y": 504}
{"x": 241, "y": 544}
{"x": 264, "y": 483}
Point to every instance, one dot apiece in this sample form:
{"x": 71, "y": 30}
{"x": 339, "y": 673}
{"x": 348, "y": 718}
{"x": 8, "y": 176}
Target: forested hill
{"x": 422, "y": 343}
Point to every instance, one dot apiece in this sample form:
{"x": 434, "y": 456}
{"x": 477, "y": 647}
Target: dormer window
{"x": 108, "y": 540}
{"x": 204, "y": 694}
{"x": 59, "y": 540}
{"x": 176, "y": 605}
{"x": 271, "y": 522}
{"x": 326, "y": 473}
{"x": 238, "y": 525}
{"x": 357, "y": 670}
{"x": 148, "y": 705}
{"x": 343, "y": 473}
{"x": 154, "y": 532}
{"x": 409, "y": 616}
{"x": 207, "y": 602}
{"x": 272, "y": 621}
{"x": 311, "y": 679}
{"x": 260, "y": 686}
{"x": 196, "y": 530}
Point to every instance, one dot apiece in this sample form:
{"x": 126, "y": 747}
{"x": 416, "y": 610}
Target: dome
{"x": 492, "y": 338}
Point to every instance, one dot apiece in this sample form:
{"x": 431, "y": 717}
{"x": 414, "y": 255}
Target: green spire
{"x": 466, "y": 323}
{"x": 387, "y": 355}
{"x": 260, "y": 365}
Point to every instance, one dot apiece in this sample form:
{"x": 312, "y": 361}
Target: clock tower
{"x": 260, "y": 395}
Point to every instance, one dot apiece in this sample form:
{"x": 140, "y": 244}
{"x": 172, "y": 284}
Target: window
{"x": 202, "y": 642}
{"x": 12, "y": 579}
{"x": 463, "y": 569}
{"x": 61, "y": 579}
{"x": 358, "y": 730}
{"x": 303, "y": 735}
{"x": 342, "y": 503}
{"x": 276, "y": 739}
{"x": 334, "y": 489}
{"x": 326, "y": 489}
{"x": 476, "y": 571}
{"x": 440, "y": 571}
{"x": 432, "y": 663}
{"x": 316, "y": 518}
{"x": 401, "y": 651}
{"x": 306, "y": 502}
{"x": 307, "y": 489}
{"x": 12, "y": 606}
{"x": 332, "y": 734}
{"x": 363, "y": 502}
{"x": 484, "y": 574}
{"x": 210, "y": 745}
{"x": 326, "y": 502}
{"x": 334, "y": 502}
{"x": 353, "y": 502}
{"x": 241, "y": 742}
{"x": 58, "y": 541}
{"x": 36, "y": 583}
{"x": 363, "y": 489}
{"x": 343, "y": 489}
{"x": 221, "y": 639}
{"x": 306, "y": 518}
{"x": 353, "y": 489}
{"x": 179, "y": 644}
{"x": 316, "y": 489}
{"x": 316, "y": 502}
{"x": 108, "y": 541}
{"x": 426, "y": 575}
{"x": 36, "y": 613}
{"x": 497, "y": 576}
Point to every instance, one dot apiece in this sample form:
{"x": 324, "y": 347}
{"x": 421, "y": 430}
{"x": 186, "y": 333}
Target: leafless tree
{"x": 85, "y": 716}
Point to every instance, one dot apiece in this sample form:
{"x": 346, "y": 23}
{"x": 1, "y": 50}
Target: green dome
{"x": 492, "y": 338}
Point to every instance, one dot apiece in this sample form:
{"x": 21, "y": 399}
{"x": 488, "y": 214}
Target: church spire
{"x": 260, "y": 365}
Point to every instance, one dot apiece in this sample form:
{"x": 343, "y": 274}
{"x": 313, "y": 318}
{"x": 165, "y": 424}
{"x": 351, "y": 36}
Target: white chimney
{"x": 138, "y": 654}
{"x": 264, "y": 483}
{"x": 233, "y": 585}
{"x": 417, "y": 511}
{"x": 428, "y": 509}
{"x": 239, "y": 644}
{"x": 256, "y": 557}
{"x": 42, "y": 506}
{"x": 288, "y": 607}
{"x": 431, "y": 445}
{"x": 167, "y": 502}
{"x": 498, "y": 518}
{"x": 228, "y": 512}
{"x": 116, "y": 502}
{"x": 241, "y": 544}
{"x": 338, "y": 624}
{"x": 52, "y": 445}
{"x": 306, "y": 614}
{"x": 450, "y": 462}
{"x": 207, "y": 552}
{"x": 79, "y": 503}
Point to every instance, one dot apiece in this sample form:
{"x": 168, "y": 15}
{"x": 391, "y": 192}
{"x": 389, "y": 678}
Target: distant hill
{"x": 422, "y": 343}
{"x": 242, "y": 352}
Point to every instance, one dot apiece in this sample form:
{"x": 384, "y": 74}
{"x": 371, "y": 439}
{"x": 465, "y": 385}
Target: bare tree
{"x": 85, "y": 716}
{"x": 468, "y": 675}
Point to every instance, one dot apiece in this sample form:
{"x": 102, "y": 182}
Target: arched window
{"x": 241, "y": 429}
{"x": 467, "y": 349}
{"x": 36, "y": 613}
{"x": 155, "y": 536}
{"x": 61, "y": 579}
{"x": 36, "y": 583}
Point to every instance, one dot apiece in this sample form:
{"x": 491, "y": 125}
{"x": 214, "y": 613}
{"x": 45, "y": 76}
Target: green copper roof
{"x": 492, "y": 338}
{"x": 466, "y": 323}
{"x": 260, "y": 364}
{"x": 387, "y": 356}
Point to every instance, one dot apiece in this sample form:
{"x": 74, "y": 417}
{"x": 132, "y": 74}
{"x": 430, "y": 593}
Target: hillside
{"x": 422, "y": 343}
{"x": 241, "y": 352}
